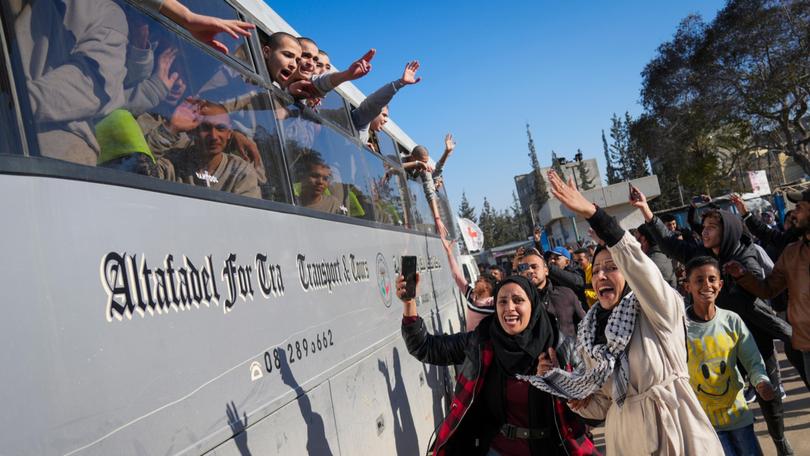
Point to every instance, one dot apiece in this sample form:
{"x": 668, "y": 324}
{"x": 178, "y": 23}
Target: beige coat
{"x": 661, "y": 414}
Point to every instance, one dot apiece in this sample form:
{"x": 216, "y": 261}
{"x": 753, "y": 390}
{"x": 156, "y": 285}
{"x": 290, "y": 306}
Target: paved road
{"x": 797, "y": 416}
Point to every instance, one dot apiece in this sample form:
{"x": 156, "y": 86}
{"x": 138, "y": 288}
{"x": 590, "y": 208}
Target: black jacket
{"x": 757, "y": 315}
{"x": 469, "y": 427}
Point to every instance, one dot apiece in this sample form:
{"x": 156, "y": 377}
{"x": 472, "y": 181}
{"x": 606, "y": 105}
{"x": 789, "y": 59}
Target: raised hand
{"x": 449, "y": 143}
{"x": 639, "y": 201}
{"x": 734, "y": 269}
{"x": 186, "y": 116}
{"x": 205, "y": 28}
{"x": 360, "y": 67}
{"x": 537, "y": 234}
{"x": 547, "y": 361}
{"x": 303, "y": 89}
{"x": 569, "y": 195}
{"x": 164, "y": 67}
{"x": 409, "y": 75}
{"x": 739, "y": 204}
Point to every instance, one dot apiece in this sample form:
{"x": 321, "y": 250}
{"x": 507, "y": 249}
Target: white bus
{"x": 167, "y": 292}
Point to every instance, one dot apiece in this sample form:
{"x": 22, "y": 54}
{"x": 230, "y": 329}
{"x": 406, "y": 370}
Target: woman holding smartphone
{"x": 633, "y": 346}
{"x": 492, "y": 412}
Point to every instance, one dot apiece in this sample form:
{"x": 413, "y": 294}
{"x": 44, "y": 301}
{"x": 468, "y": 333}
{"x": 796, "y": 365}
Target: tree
{"x": 540, "y": 190}
{"x": 612, "y": 175}
{"x": 465, "y": 210}
{"x": 717, "y": 92}
{"x": 758, "y": 60}
{"x": 635, "y": 159}
{"x": 520, "y": 219}
{"x": 486, "y": 221}
{"x": 585, "y": 182}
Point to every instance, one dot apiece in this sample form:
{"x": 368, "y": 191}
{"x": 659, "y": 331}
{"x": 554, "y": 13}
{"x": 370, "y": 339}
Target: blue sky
{"x": 490, "y": 67}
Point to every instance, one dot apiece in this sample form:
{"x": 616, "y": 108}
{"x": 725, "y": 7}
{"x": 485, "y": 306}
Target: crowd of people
{"x": 662, "y": 334}
{"x": 108, "y": 84}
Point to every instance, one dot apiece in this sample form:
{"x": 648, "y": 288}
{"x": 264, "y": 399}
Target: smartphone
{"x": 409, "y": 272}
{"x": 634, "y": 194}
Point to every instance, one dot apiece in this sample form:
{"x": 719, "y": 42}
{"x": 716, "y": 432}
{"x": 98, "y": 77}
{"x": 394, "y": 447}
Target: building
{"x": 525, "y": 182}
{"x": 564, "y": 228}
{"x": 561, "y": 226}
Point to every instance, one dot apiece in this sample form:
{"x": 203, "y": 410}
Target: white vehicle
{"x": 183, "y": 298}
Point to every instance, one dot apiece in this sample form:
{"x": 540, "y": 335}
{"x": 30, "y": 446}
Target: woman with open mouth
{"x": 492, "y": 412}
{"x": 634, "y": 373}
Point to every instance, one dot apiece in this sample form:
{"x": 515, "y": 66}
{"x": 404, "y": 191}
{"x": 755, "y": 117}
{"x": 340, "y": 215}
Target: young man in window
{"x": 209, "y": 161}
{"x": 281, "y": 54}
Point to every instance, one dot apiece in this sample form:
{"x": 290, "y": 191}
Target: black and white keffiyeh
{"x": 607, "y": 359}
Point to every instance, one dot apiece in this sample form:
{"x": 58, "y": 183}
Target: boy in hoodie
{"x": 723, "y": 240}
{"x": 716, "y": 340}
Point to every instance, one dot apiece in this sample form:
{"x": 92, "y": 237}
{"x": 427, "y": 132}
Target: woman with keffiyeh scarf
{"x": 634, "y": 373}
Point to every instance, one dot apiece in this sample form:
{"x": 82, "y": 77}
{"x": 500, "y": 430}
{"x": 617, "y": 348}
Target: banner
{"x": 472, "y": 235}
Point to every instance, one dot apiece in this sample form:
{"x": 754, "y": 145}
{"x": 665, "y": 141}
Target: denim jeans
{"x": 740, "y": 442}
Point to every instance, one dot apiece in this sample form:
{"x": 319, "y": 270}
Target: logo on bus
{"x": 384, "y": 282}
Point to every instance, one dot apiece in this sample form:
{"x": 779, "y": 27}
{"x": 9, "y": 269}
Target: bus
{"x": 172, "y": 287}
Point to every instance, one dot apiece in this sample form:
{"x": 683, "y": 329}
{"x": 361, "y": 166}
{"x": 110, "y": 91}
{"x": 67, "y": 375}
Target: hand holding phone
{"x": 409, "y": 272}
{"x": 635, "y": 194}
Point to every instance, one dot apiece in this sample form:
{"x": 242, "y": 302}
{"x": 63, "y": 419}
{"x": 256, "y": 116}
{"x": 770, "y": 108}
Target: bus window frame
{"x": 178, "y": 30}
{"x": 23, "y": 139}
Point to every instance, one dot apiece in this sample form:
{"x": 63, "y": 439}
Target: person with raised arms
{"x": 633, "y": 347}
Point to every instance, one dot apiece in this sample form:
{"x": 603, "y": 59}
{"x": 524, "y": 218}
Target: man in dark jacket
{"x": 566, "y": 274}
{"x": 774, "y": 242}
{"x": 723, "y": 239}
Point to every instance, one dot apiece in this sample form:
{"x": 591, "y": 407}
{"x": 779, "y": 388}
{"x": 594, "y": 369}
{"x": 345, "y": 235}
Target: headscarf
{"x": 517, "y": 354}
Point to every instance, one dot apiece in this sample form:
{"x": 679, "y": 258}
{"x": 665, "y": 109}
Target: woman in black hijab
{"x": 493, "y": 413}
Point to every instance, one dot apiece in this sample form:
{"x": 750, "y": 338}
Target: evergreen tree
{"x": 556, "y": 165}
{"x": 465, "y": 210}
{"x": 585, "y": 182}
{"x": 636, "y": 158}
{"x": 540, "y": 190}
{"x": 521, "y": 220}
{"x": 619, "y": 148}
{"x": 612, "y": 175}
{"x": 486, "y": 221}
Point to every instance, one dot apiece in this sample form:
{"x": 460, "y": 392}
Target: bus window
{"x": 387, "y": 146}
{"x": 238, "y": 48}
{"x": 333, "y": 108}
{"x": 331, "y": 172}
{"x": 446, "y": 212}
{"x": 148, "y": 101}
{"x": 387, "y": 192}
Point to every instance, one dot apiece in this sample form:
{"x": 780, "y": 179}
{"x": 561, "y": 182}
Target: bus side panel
{"x": 304, "y": 426}
{"x": 97, "y": 362}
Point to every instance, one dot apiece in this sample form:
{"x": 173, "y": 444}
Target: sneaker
{"x": 750, "y": 394}
{"x": 782, "y": 393}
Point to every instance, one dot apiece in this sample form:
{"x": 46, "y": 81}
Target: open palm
{"x": 569, "y": 195}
